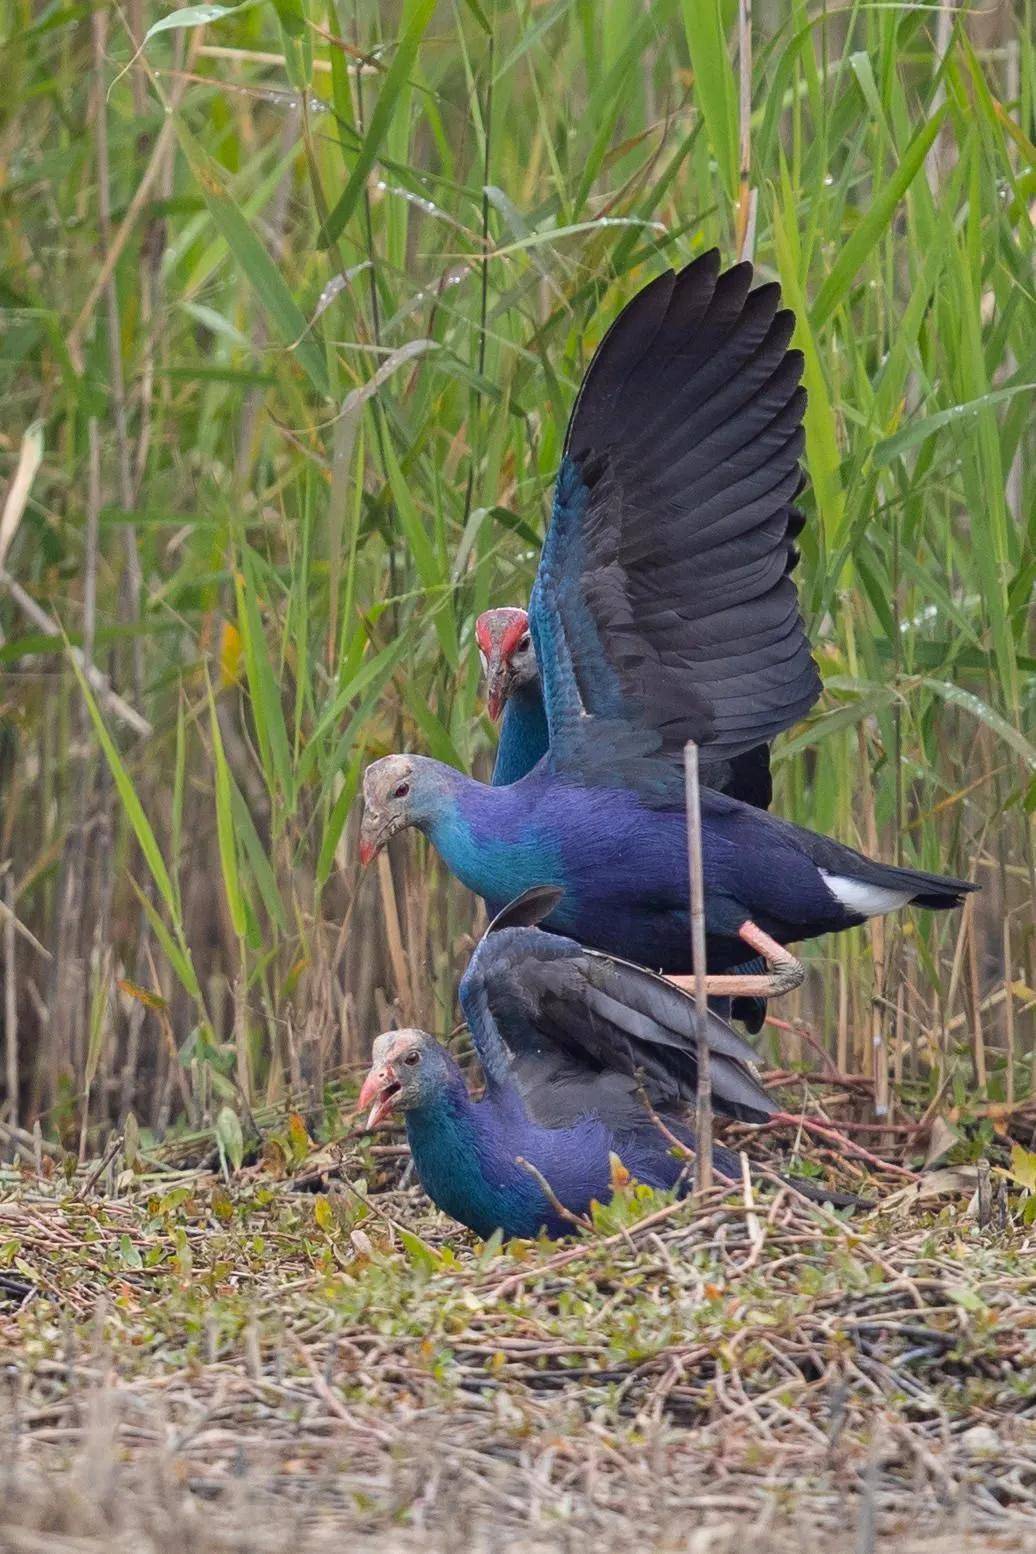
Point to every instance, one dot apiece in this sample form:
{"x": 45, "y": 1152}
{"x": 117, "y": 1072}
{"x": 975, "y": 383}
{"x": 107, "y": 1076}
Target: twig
{"x": 795, "y": 1120}
{"x": 9, "y": 917}
{"x": 132, "y": 581}
{"x": 979, "y": 1045}
{"x": 703, "y": 1112}
{"x": 98, "y": 682}
{"x": 164, "y": 140}
{"x": 747, "y": 197}
{"x": 93, "y": 518}
{"x": 397, "y": 955}
{"x": 678, "y": 1146}
{"x": 755, "y": 1231}
{"x": 10, "y": 1002}
{"x": 579, "y": 1220}
{"x": 102, "y": 1165}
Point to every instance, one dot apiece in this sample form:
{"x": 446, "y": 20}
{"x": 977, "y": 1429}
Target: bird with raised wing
{"x": 663, "y": 610}
{"x": 514, "y": 695}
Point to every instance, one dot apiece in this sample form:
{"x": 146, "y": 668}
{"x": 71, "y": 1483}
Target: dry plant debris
{"x": 194, "y": 1362}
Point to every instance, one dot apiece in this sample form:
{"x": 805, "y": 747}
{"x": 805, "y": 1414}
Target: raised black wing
{"x": 663, "y": 608}
{"x": 577, "y": 1031}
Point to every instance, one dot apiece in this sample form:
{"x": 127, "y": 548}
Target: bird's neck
{"x": 484, "y": 836}
{"x": 523, "y": 734}
{"x": 456, "y": 1149}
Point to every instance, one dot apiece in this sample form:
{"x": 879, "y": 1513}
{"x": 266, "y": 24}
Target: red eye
{"x": 402, "y": 790}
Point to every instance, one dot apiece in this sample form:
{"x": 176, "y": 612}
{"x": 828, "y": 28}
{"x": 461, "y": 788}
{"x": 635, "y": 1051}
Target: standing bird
{"x": 571, "y": 1043}
{"x": 663, "y": 611}
{"x": 512, "y": 688}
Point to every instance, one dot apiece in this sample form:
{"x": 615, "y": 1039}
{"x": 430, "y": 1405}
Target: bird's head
{"x": 398, "y": 791}
{"x": 508, "y": 659}
{"x": 407, "y": 1068}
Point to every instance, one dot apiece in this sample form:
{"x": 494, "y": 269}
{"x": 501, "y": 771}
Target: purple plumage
{"x": 664, "y": 611}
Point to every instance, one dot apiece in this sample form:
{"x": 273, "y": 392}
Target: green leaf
{"x": 882, "y": 208}
{"x": 959, "y": 697}
{"x": 292, "y": 16}
{"x": 818, "y": 419}
{"x": 255, "y": 852}
{"x": 919, "y": 431}
{"x": 1023, "y": 1166}
{"x": 262, "y": 274}
{"x": 229, "y": 1136}
{"x": 192, "y": 16}
{"x": 270, "y": 727}
{"x": 714, "y": 85}
{"x": 374, "y": 672}
{"x": 225, "y": 826}
{"x": 128, "y": 795}
{"x": 177, "y": 956}
{"x": 129, "y": 1255}
{"x": 420, "y": 14}
{"x": 420, "y": 1253}
{"x": 336, "y": 823}
{"x": 847, "y": 716}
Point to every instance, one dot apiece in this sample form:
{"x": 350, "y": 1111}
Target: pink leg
{"x": 785, "y": 971}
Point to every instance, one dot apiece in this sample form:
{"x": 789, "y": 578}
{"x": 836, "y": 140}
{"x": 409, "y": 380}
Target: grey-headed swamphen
{"x": 663, "y": 611}
{"x": 514, "y": 695}
{"x": 571, "y": 1042}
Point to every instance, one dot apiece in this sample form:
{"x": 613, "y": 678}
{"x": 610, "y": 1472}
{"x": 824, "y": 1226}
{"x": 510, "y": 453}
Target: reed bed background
{"x": 294, "y": 305}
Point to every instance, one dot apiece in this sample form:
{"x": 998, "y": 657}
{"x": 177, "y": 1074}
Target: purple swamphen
{"x": 662, "y": 611}
{"x": 514, "y": 694}
{"x": 572, "y": 1043}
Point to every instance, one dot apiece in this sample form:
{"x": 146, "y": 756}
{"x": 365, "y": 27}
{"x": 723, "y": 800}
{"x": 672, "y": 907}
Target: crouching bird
{"x": 664, "y": 610}
{"x": 572, "y": 1043}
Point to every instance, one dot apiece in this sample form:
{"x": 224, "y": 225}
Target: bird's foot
{"x": 785, "y": 973}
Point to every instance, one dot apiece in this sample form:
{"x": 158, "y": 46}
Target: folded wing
{"x": 580, "y": 1032}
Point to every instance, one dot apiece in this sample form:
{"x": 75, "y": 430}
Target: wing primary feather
{"x": 664, "y": 599}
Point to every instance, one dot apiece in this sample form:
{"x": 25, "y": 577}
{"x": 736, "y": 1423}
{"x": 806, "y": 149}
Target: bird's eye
{"x": 523, "y": 644}
{"x": 402, "y": 790}
{"x": 412, "y": 1059}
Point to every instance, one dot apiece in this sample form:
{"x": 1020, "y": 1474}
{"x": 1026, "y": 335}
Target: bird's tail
{"x": 939, "y": 891}
{"x": 729, "y": 1165}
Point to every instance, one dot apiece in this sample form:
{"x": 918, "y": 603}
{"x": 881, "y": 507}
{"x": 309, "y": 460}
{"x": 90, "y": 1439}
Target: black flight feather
{"x": 667, "y": 603}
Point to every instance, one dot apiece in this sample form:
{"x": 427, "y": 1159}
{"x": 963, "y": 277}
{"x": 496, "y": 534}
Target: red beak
{"x": 497, "y": 688}
{"x": 379, "y": 1092}
{"x": 372, "y": 838}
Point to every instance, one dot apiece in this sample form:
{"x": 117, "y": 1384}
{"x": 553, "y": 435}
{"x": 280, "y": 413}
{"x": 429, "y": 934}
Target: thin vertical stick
{"x": 90, "y": 546}
{"x": 1008, "y": 1014}
{"x": 132, "y": 580}
{"x": 703, "y": 1117}
{"x": 397, "y": 955}
{"x": 978, "y": 1035}
{"x": 897, "y": 1059}
{"x": 10, "y": 1003}
{"x": 746, "y": 205}
{"x": 934, "y": 165}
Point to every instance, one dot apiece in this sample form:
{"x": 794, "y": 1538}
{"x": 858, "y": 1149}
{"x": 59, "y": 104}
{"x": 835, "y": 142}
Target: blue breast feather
{"x": 523, "y": 735}
{"x": 465, "y": 1154}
